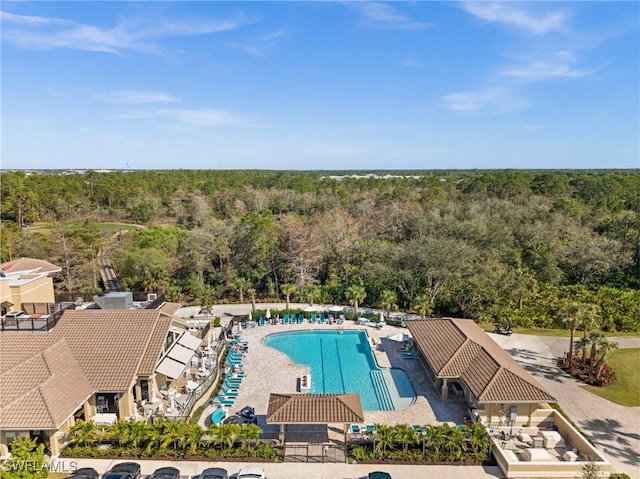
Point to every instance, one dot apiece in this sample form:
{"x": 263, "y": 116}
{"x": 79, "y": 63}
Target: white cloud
{"x": 261, "y": 45}
{"x": 138, "y": 97}
{"x": 410, "y": 63}
{"x": 203, "y": 117}
{"x": 558, "y": 66}
{"x": 512, "y": 13}
{"x": 49, "y": 33}
{"x": 490, "y": 101}
{"x": 385, "y": 17}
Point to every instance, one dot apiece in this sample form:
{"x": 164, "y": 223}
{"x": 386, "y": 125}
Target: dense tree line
{"x": 510, "y": 244}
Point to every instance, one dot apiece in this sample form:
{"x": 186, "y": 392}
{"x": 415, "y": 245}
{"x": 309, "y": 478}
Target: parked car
{"x": 124, "y": 470}
{"x": 214, "y": 473}
{"x": 379, "y": 475}
{"x": 251, "y": 472}
{"x": 165, "y": 473}
{"x": 84, "y": 473}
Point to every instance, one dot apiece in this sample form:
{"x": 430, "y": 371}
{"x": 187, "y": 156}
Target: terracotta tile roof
{"x": 170, "y": 308}
{"x": 29, "y": 264}
{"x": 108, "y": 344}
{"x": 45, "y": 377}
{"x": 155, "y": 346}
{"x": 458, "y": 348}
{"x": 314, "y": 409}
{"x": 43, "y": 391}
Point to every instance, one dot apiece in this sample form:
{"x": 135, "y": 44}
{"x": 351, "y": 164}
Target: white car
{"x": 251, "y": 472}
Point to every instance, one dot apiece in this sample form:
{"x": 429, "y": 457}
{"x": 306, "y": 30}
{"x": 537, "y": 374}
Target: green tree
{"x": 227, "y": 435}
{"x": 606, "y": 348}
{"x": 356, "y": 294}
{"x": 84, "y": 433}
{"x": 249, "y": 432}
{"x": 25, "y": 452}
{"x": 423, "y": 305}
{"x": 454, "y": 441}
{"x": 252, "y": 294}
{"x": 405, "y": 435}
{"x": 288, "y": 289}
{"x": 384, "y": 438}
{"x": 388, "y": 301}
{"x": 241, "y": 285}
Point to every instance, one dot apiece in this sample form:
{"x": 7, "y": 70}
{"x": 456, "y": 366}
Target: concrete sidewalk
{"x": 291, "y": 470}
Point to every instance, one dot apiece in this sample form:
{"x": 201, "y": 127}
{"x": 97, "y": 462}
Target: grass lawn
{"x": 626, "y": 390}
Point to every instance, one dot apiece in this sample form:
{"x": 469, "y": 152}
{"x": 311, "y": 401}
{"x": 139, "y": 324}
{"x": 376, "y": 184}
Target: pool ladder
{"x": 382, "y": 390}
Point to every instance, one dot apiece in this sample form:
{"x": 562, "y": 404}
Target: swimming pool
{"x": 342, "y": 362}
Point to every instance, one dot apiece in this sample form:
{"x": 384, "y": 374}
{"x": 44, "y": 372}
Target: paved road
{"x": 614, "y": 429}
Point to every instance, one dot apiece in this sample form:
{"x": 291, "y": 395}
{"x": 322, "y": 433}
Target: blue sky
{"x": 320, "y": 85}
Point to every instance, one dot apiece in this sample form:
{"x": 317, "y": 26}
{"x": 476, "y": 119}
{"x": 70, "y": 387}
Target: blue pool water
{"x": 342, "y": 362}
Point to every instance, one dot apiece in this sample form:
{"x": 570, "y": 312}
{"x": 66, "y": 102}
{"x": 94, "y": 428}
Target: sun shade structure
{"x": 459, "y": 349}
{"x": 314, "y": 409}
{"x": 189, "y": 341}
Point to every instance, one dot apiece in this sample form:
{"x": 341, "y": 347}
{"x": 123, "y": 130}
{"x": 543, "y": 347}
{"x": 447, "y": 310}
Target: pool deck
{"x": 270, "y": 371}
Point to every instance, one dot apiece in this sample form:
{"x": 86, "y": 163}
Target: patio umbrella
{"x": 202, "y": 368}
{"x": 400, "y": 337}
{"x": 153, "y": 395}
{"x": 172, "y": 401}
{"x": 250, "y": 316}
{"x": 310, "y": 309}
{"x": 134, "y": 410}
{"x": 381, "y": 315}
{"x": 335, "y": 308}
{"x": 239, "y": 327}
{"x": 268, "y": 314}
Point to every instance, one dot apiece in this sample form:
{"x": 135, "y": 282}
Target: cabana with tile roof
{"x": 49, "y": 379}
{"x": 285, "y": 409}
{"x": 457, "y": 351}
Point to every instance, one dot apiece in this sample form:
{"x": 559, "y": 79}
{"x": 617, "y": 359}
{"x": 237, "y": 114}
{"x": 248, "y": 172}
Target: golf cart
{"x": 503, "y": 327}
{"x": 248, "y": 414}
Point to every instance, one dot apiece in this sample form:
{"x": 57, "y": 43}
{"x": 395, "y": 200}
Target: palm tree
{"x": 288, "y": 289}
{"x": 388, "y": 301}
{"x": 423, "y": 305}
{"x": 213, "y": 433}
{"x": 136, "y": 432}
{"x": 405, "y": 435}
{"x": 606, "y": 348}
{"x": 252, "y": 293}
{"x": 384, "y": 438}
{"x": 173, "y": 432}
{"x": 479, "y": 440}
{"x": 589, "y": 320}
{"x": 241, "y": 284}
{"x": 453, "y": 441}
{"x": 312, "y": 293}
{"x": 155, "y": 436}
{"x": 84, "y": 432}
{"x": 571, "y": 317}
{"x": 249, "y": 432}
{"x": 227, "y": 435}
{"x": 118, "y": 429}
{"x": 433, "y": 441}
{"x": 356, "y": 294}
{"x": 192, "y": 438}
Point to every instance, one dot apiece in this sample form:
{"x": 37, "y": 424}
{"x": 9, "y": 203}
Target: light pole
{"x": 424, "y": 436}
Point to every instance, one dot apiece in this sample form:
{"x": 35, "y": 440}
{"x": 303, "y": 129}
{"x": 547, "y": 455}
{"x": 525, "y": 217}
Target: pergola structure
{"x": 285, "y": 409}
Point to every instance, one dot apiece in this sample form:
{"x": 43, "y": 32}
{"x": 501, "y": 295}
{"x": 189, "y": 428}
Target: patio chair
{"x": 354, "y": 429}
{"x": 285, "y": 319}
{"x": 228, "y": 394}
{"x": 301, "y": 318}
{"x": 321, "y": 318}
{"x": 223, "y": 402}
{"x": 261, "y": 321}
{"x": 313, "y": 318}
